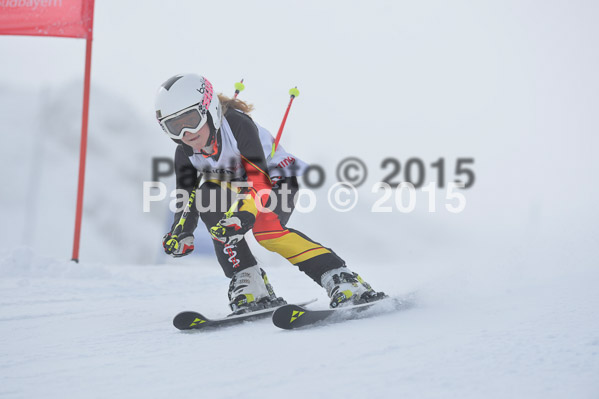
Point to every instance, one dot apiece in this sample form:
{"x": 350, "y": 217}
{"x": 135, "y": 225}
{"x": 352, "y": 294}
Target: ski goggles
{"x": 190, "y": 119}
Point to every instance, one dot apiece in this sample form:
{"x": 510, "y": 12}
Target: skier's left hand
{"x": 231, "y": 228}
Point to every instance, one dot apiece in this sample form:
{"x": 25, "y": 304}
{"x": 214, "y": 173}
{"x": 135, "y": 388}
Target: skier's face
{"x": 197, "y": 140}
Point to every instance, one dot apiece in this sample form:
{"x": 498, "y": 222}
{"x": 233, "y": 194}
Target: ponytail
{"x": 234, "y": 103}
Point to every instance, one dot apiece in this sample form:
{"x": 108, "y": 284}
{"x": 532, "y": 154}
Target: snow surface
{"x": 93, "y": 331}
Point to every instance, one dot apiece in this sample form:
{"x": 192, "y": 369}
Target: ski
{"x": 290, "y": 317}
{"x": 190, "y": 320}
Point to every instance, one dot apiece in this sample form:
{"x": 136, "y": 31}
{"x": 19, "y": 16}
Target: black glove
{"x": 179, "y": 245}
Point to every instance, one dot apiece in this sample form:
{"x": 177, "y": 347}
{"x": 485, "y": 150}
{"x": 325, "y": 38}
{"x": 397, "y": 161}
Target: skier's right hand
{"x": 178, "y": 246}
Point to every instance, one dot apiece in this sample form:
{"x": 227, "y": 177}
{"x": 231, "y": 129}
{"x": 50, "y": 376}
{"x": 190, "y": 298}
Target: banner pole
{"x": 83, "y": 147}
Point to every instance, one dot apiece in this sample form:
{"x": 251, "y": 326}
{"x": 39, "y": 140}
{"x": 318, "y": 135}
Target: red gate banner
{"x": 63, "y": 18}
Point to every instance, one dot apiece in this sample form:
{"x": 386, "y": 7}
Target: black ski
{"x": 289, "y": 317}
{"x": 190, "y": 320}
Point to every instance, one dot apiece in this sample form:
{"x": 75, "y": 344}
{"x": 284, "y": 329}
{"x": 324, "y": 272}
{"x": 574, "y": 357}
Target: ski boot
{"x": 345, "y": 288}
{"x": 250, "y": 290}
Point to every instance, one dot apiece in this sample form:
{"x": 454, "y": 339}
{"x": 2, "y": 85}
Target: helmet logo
{"x": 206, "y": 90}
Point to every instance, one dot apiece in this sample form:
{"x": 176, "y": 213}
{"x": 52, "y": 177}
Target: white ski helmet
{"x": 183, "y": 104}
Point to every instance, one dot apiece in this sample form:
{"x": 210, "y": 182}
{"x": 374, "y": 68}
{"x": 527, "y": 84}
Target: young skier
{"x": 217, "y": 139}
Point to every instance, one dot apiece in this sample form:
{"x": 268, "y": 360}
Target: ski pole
{"x": 172, "y": 243}
{"x": 293, "y": 93}
{"x": 239, "y": 86}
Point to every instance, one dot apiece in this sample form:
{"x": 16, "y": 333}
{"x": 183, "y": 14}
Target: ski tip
{"x": 285, "y": 316}
{"x": 189, "y": 320}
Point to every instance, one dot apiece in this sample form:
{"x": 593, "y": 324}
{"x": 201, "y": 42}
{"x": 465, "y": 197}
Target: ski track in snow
{"x": 105, "y": 331}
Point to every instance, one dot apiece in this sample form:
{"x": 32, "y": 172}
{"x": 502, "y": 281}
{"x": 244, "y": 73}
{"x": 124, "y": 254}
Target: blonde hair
{"x": 234, "y": 103}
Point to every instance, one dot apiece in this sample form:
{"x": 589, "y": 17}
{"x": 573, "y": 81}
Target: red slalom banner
{"x": 62, "y": 18}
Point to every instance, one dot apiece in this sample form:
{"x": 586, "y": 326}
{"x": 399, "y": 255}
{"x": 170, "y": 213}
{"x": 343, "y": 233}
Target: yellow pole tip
{"x": 294, "y": 92}
{"x": 239, "y": 86}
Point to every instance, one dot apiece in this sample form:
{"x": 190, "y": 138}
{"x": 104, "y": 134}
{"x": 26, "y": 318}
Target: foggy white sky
{"x": 457, "y": 72}
{"x": 460, "y": 67}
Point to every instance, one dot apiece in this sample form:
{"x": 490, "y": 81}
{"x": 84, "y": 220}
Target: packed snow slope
{"x": 93, "y": 331}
